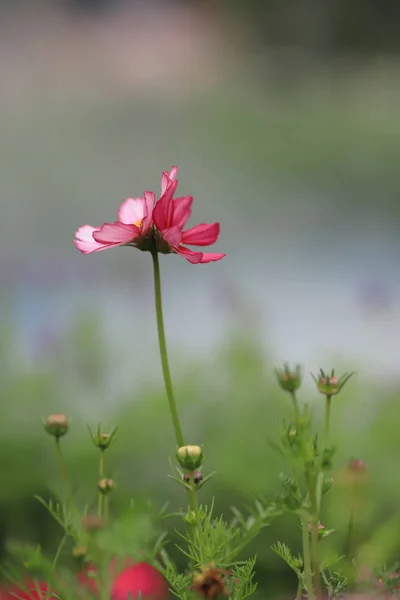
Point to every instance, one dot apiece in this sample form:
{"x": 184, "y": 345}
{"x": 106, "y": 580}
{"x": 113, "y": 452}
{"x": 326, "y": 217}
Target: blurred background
{"x": 283, "y": 117}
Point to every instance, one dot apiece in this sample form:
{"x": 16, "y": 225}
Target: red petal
{"x": 172, "y": 235}
{"x": 182, "y": 210}
{"x": 201, "y": 235}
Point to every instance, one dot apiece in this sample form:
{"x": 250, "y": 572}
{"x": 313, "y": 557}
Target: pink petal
{"x": 172, "y": 236}
{"x": 132, "y": 210}
{"x": 84, "y": 240}
{"x": 164, "y": 209}
{"x": 167, "y": 178}
{"x": 201, "y": 235}
{"x": 116, "y": 233}
{"x": 211, "y": 257}
{"x": 150, "y": 200}
{"x": 182, "y": 210}
{"x": 192, "y": 257}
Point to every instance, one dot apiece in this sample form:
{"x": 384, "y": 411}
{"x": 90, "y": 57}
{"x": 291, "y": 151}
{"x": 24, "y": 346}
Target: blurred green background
{"x": 283, "y": 119}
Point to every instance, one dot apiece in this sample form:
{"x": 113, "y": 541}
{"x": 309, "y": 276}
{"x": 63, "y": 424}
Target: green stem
{"x": 193, "y": 499}
{"x": 163, "y": 351}
{"x": 327, "y": 420}
{"x": 307, "y": 560}
{"x": 59, "y": 549}
{"x": 314, "y": 536}
{"x": 296, "y": 406}
{"x": 299, "y": 589}
{"x": 63, "y": 473}
{"x": 101, "y": 473}
{"x": 325, "y": 441}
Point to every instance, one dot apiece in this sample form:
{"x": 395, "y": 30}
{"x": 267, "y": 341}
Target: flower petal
{"x": 84, "y": 240}
{"x": 132, "y": 210}
{"x": 150, "y": 199}
{"x": 192, "y": 257}
{"x": 172, "y": 236}
{"x": 201, "y": 235}
{"x": 116, "y": 233}
{"x": 182, "y": 210}
{"x": 166, "y": 178}
{"x": 211, "y": 257}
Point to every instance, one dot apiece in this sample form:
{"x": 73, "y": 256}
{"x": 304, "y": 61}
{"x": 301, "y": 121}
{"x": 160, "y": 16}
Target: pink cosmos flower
{"x": 142, "y": 580}
{"x": 147, "y": 225}
{"x": 170, "y": 216}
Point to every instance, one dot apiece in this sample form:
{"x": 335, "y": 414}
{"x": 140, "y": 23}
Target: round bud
{"x": 56, "y": 425}
{"x": 92, "y": 522}
{"x": 190, "y": 457}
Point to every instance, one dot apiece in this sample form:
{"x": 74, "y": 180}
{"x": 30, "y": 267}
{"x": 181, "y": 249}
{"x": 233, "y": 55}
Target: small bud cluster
{"x": 106, "y": 486}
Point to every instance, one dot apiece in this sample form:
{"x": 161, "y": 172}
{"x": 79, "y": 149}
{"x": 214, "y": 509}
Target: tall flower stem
{"x": 101, "y": 473}
{"x": 63, "y": 473}
{"x": 163, "y": 351}
{"x": 325, "y": 442}
{"x": 314, "y": 534}
{"x": 307, "y": 560}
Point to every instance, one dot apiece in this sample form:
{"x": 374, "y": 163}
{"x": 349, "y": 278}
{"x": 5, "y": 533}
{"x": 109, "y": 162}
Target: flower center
{"x": 138, "y": 223}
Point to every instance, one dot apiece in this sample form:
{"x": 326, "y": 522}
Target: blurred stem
{"x": 296, "y": 406}
{"x": 307, "y": 560}
{"x": 314, "y": 535}
{"x": 101, "y": 473}
{"x": 325, "y": 442}
{"x": 63, "y": 473}
{"x": 163, "y": 351}
{"x": 299, "y": 589}
{"x": 59, "y": 549}
{"x": 350, "y": 542}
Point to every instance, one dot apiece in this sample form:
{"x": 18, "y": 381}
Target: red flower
{"x": 31, "y": 590}
{"x": 87, "y": 576}
{"x": 140, "y": 578}
{"x": 141, "y": 224}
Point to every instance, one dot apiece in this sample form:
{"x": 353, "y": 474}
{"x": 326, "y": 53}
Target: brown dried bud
{"x": 210, "y": 583}
{"x": 106, "y": 486}
{"x": 92, "y": 522}
{"x": 56, "y": 425}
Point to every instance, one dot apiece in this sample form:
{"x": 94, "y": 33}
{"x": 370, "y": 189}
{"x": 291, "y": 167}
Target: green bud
{"x": 102, "y": 440}
{"x": 190, "y": 457}
{"x": 288, "y": 379}
{"x": 330, "y": 385}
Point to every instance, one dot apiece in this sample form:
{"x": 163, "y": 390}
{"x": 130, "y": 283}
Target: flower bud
{"x": 79, "y": 552}
{"x": 197, "y": 477}
{"x": 190, "y": 457}
{"x": 102, "y": 440}
{"x": 106, "y": 486}
{"x": 330, "y": 385}
{"x": 56, "y": 425}
{"x": 289, "y": 380}
{"x": 92, "y": 522}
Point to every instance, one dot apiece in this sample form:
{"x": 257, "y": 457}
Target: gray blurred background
{"x": 283, "y": 117}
